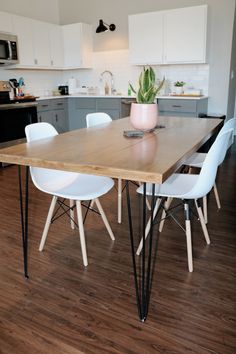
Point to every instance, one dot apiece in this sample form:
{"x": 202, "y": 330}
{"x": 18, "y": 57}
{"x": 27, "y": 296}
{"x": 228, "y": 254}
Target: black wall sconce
{"x": 103, "y": 27}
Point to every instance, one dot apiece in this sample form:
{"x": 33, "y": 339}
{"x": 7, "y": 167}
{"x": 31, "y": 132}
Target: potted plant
{"x": 144, "y": 113}
{"x": 178, "y": 87}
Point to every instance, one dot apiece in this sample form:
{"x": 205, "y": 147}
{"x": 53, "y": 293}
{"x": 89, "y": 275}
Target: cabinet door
{"x": 111, "y": 106}
{"x": 60, "y": 121}
{"x": 56, "y": 46}
{"x": 22, "y": 27}
{"x": 41, "y": 43}
{"x": 146, "y": 38}
{"x": 77, "y": 39}
{"x": 45, "y": 117}
{"x": 185, "y": 35}
{"x": 113, "y": 113}
{"x": 6, "y": 22}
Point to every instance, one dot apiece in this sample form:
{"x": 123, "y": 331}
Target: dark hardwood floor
{"x": 64, "y": 308}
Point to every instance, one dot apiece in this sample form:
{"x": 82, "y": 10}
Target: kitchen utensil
{"x": 21, "y": 81}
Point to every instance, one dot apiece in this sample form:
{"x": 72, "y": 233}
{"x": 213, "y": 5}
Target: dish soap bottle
{"x": 106, "y": 89}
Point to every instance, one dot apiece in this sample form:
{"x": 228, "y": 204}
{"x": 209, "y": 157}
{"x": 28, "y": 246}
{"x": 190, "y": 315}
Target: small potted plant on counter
{"x": 178, "y": 87}
{"x": 144, "y": 112}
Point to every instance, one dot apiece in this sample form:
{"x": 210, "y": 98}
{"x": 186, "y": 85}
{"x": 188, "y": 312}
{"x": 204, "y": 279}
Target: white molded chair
{"x": 197, "y": 159}
{"x": 68, "y": 185}
{"x": 93, "y": 119}
{"x": 190, "y": 186}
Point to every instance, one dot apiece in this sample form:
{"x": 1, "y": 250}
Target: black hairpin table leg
{"x": 24, "y": 215}
{"x": 143, "y": 278}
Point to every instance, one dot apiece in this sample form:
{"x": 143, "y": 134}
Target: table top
{"x": 103, "y": 150}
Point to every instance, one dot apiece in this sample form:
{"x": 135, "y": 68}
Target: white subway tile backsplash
{"x": 41, "y": 82}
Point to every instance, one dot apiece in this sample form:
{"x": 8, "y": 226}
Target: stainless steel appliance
{"x": 14, "y": 116}
{"x": 125, "y": 106}
{"x": 8, "y": 49}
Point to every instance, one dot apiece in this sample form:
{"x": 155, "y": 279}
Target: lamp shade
{"x": 101, "y": 27}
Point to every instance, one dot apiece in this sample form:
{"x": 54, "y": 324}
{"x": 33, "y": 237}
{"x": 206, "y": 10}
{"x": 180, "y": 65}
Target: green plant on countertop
{"x": 148, "y": 89}
{"x": 179, "y": 83}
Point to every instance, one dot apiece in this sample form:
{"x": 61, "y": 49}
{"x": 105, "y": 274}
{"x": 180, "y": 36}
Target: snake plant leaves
{"x": 148, "y": 89}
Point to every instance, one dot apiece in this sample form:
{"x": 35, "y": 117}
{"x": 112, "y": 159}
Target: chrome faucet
{"x": 113, "y": 90}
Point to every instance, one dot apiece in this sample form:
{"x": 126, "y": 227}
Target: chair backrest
{"x": 38, "y": 131}
{"x": 229, "y": 124}
{"x": 93, "y": 119}
{"x": 207, "y": 175}
{"x": 46, "y": 179}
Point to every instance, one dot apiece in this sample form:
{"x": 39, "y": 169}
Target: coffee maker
{"x": 64, "y": 90}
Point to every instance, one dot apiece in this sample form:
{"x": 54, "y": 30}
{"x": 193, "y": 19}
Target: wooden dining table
{"x": 104, "y": 150}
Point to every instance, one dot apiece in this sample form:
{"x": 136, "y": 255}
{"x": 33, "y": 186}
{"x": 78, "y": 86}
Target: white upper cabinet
{"x": 185, "y": 35}
{"x": 6, "y": 22}
{"x": 56, "y": 46}
{"x": 22, "y": 27}
{"x": 77, "y": 45}
{"x": 43, "y": 45}
{"x": 42, "y": 52}
{"x": 40, "y": 44}
{"x": 146, "y": 38}
{"x": 169, "y": 37}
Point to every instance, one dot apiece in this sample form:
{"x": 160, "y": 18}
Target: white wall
{"x": 44, "y": 10}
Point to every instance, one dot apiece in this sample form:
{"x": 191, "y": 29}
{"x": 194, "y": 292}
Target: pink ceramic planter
{"x": 143, "y": 116}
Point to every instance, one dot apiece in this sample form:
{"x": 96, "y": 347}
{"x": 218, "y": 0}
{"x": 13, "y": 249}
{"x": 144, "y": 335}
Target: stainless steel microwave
{"x": 8, "y": 49}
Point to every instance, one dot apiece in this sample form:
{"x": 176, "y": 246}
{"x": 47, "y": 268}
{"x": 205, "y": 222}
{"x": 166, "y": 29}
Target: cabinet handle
{"x": 176, "y": 106}
{"x": 40, "y": 118}
{"x": 44, "y": 105}
{"x": 52, "y": 62}
{"x": 35, "y": 61}
{"x": 56, "y": 117}
{"x": 59, "y": 104}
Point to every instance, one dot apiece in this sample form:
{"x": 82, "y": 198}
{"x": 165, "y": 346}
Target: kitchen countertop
{"x": 17, "y": 105}
{"x": 77, "y": 95}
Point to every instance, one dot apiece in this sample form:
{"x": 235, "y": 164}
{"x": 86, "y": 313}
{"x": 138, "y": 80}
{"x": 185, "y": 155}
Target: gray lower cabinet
{"x": 111, "y": 106}
{"x": 79, "y": 107}
{"x": 182, "y": 107}
{"x": 55, "y": 112}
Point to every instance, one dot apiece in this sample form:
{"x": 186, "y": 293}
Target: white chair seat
{"x": 71, "y": 185}
{"x": 176, "y": 186}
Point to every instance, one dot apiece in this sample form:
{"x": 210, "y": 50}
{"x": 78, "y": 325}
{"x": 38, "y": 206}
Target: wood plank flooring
{"x": 64, "y": 308}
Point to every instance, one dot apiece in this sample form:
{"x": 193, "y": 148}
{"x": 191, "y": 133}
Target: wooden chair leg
{"x": 72, "y": 214}
{"x": 104, "y": 218}
{"x": 188, "y": 237}
{"x": 202, "y": 221}
{"x": 148, "y": 226}
{"x": 217, "y": 196}
{"x": 81, "y": 233}
{"x": 166, "y": 206}
{"x": 47, "y": 223}
{"x": 205, "y": 209}
{"x": 119, "y": 200}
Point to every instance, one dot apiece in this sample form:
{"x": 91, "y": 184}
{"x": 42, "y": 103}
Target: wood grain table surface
{"x": 103, "y": 150}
